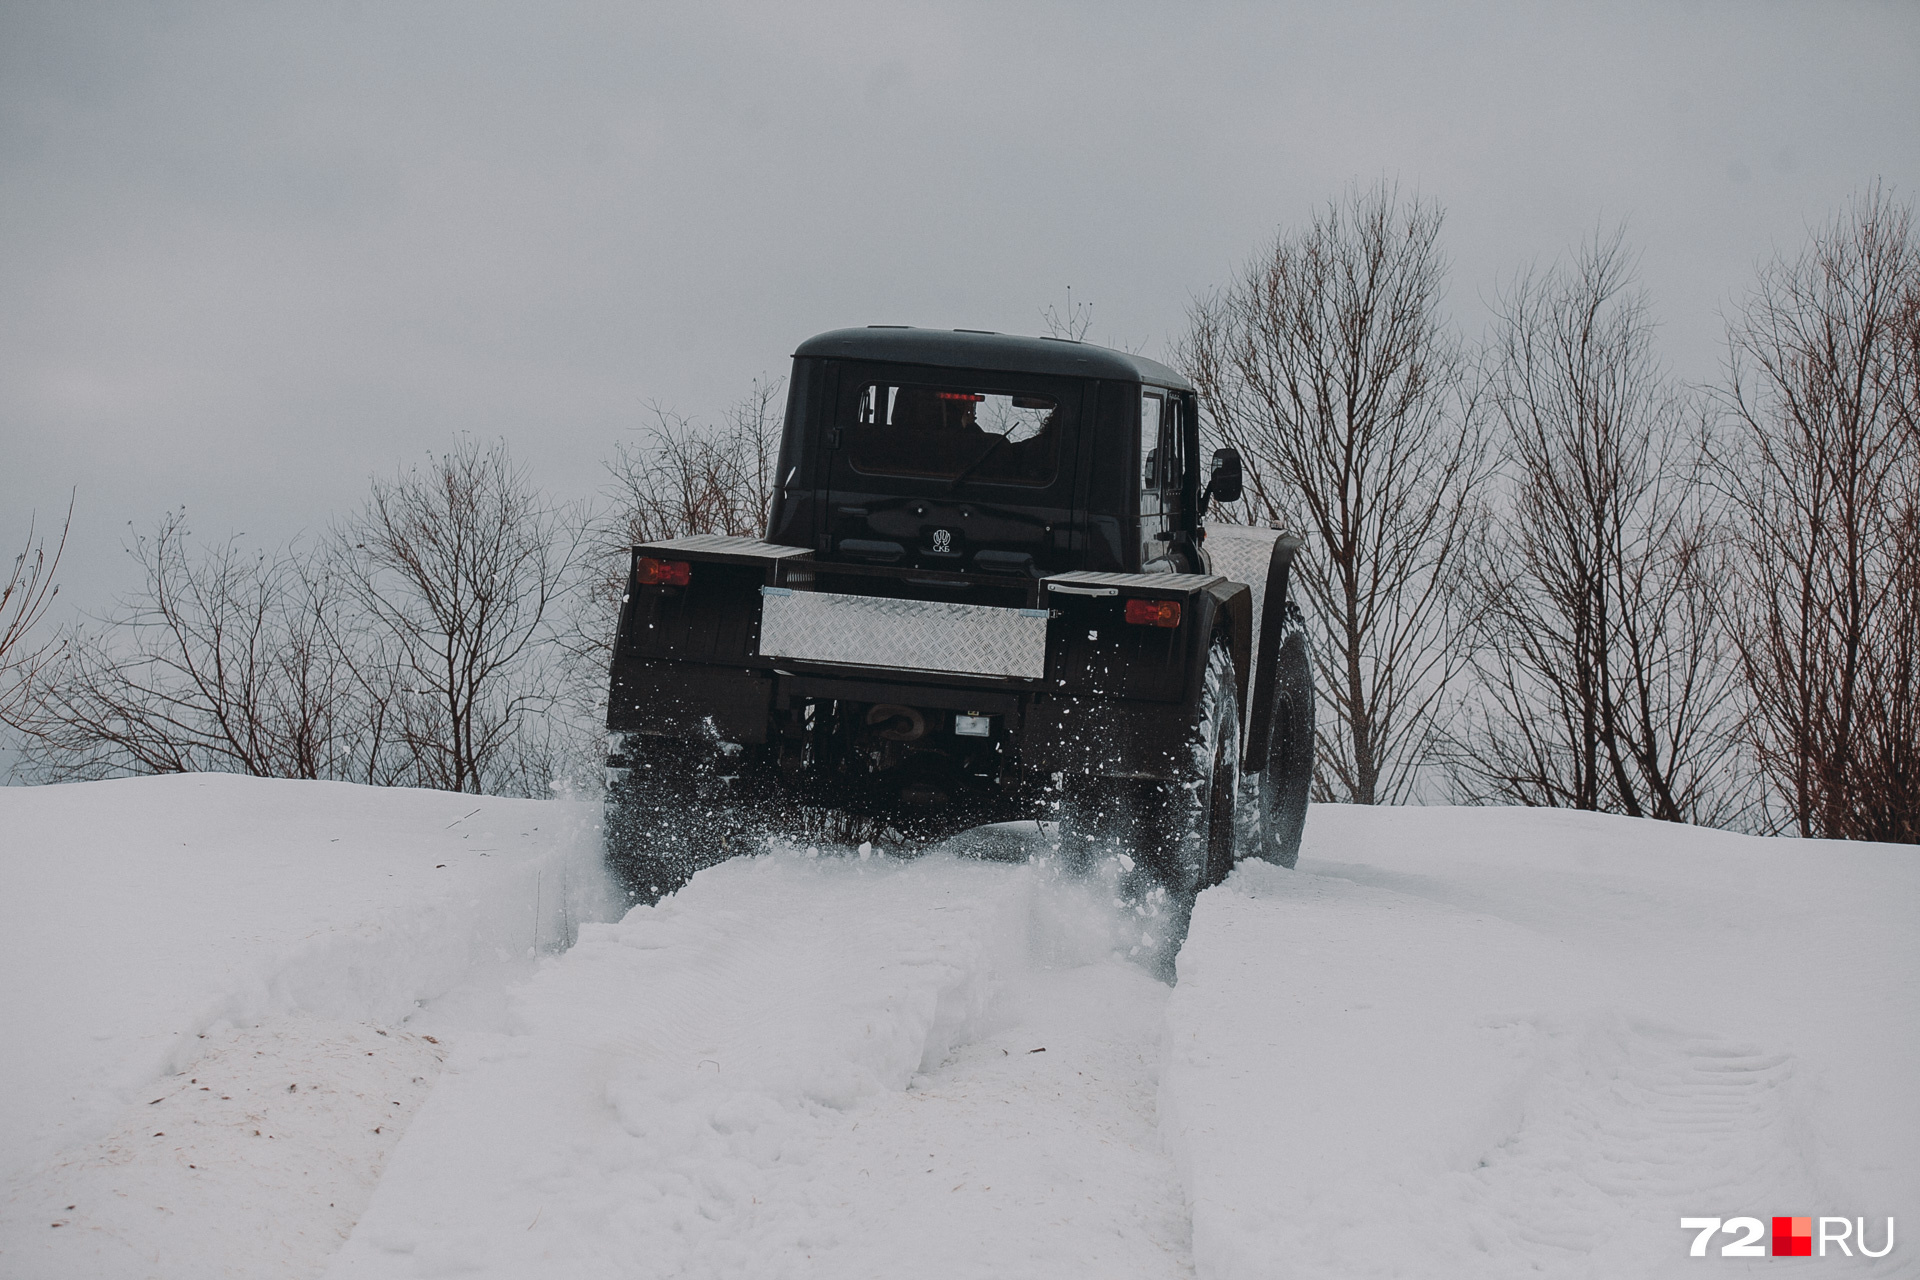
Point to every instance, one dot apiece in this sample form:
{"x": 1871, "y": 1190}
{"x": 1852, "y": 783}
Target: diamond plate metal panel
{"x": 1137, "y": 581}
{"x": 1244, "y": 553}
{"x": 915, "y": 635}
{"x": 721, "y": 544}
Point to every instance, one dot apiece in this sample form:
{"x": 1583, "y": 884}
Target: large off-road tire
{"x": 1190, "y": 846}
{"x": 1180, "y": 833}
{"x": 1274, "y": 798}
{"x": 680, "y": 806}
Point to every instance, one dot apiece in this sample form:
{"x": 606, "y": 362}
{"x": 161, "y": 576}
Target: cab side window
{"x": 1153, "y": 459}
{"x": 1173, "y": 462}
{"x": 1163, "y": 476}
{"x": 1152, "y": 410}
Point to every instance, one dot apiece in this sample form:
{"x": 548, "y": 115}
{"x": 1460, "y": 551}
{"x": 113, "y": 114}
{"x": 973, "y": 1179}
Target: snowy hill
{"x": 285, "y": 1029}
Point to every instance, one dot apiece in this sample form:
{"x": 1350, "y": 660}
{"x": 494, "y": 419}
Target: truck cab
{"x": 989, "y": 455}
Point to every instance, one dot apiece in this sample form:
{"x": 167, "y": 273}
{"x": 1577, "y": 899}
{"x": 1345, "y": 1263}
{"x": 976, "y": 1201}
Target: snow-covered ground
{"x": 211, "y": 991}
{"x": 1513, "y": 1042}
{"x": 283, "y": 1029}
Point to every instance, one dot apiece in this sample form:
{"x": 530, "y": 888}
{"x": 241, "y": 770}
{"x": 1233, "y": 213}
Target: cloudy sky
{"x": 251, "y": 254}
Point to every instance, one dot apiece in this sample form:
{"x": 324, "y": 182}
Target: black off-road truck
{"x": 986, "y": 593}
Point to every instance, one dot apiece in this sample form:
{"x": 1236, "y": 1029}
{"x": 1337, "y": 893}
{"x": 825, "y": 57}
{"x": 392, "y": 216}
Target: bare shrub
{"x": 1824, "y": 484}
{"x": 1328, "y": 366}
{"x": 1603, "y": 681}
{"x": 408, "y": 648}
{"x": 220, "y": 661}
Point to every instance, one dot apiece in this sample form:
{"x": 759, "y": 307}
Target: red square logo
{"x": 1793, "y": 1237}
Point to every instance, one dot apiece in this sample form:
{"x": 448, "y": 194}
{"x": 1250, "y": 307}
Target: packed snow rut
{"x": 776, "y": 1070}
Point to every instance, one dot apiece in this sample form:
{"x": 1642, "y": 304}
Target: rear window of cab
{"x": 959, "y": 429}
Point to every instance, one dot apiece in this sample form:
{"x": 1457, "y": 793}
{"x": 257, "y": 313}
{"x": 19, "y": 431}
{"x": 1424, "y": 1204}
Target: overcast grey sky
{"x": 253, "y": 253}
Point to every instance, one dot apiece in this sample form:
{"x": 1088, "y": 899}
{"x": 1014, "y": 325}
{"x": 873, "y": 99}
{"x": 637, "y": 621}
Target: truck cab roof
{"x": 979, "y": 349}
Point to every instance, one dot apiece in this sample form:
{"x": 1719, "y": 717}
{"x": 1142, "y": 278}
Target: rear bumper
{"x": 1051, "y": 732}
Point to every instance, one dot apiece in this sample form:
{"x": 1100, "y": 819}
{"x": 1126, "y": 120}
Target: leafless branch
{"x": 28, "y": 593}
{"x": 1071, "y": 323}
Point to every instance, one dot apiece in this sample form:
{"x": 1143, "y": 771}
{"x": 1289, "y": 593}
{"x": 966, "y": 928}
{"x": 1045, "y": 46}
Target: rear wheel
{"x": 674, "y": 807}
{"x": 1188, "y": 838}
{"x": 1175, "y": 837}
{"x": 1277, "y": 794}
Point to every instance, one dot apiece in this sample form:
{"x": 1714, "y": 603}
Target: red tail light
{"x": 1153, "y": 613}
{"x": 662, "y": 573}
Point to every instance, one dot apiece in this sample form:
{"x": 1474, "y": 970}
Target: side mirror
{"x": 1225, "y": 484}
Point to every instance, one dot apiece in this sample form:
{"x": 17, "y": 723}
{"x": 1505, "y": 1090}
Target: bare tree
{"x": 1328, "y": 367}
{"x": 1825, "y": 484}
{"x": 1603, "y": 682}
{"x": 1893, "y": 717}
{"x": 217, "y": 662}
{"x": 24, "y": 600}
{"x": 458, "y": 568}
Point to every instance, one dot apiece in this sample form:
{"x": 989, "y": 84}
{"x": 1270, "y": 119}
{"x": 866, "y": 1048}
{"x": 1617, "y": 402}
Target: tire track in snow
{"x": 256, "y": 1164}
{"x": 1366, "y": 1082}
{"x": 1031, "y": 1152}
{"x": 796, "y": 1067}
{"x": 1620, "y": 1120}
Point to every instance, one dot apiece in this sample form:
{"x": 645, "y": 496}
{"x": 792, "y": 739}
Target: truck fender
{"x": 1273, "y": 632}
{"x": 1223, "y": 607}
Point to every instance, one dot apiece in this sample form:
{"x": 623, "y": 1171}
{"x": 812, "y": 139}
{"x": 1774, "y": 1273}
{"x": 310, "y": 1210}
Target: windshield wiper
{"x": 974, "y": 466}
